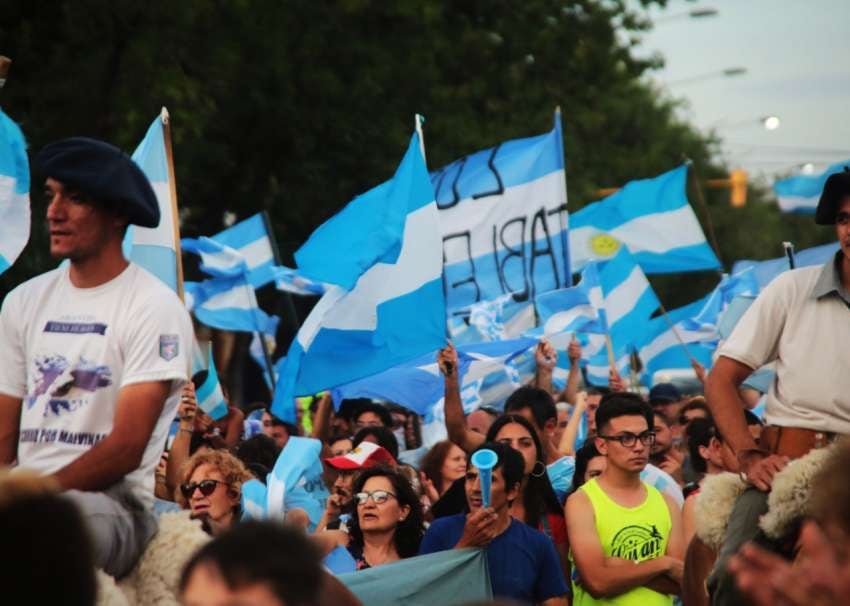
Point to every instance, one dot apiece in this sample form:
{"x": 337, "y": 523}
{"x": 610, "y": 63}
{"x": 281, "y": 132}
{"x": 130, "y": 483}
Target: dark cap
{"x": 105, "y": 173}
{"x": 664, "y": 393}
{"x": 836, "y": 188}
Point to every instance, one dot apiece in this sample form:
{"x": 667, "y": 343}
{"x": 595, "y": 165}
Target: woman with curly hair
{"x": 386, "y": 523}
{"x": 211, "y": 487}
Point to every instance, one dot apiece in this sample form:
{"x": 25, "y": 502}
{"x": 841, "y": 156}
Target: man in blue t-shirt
{"x": 523, "y": 563}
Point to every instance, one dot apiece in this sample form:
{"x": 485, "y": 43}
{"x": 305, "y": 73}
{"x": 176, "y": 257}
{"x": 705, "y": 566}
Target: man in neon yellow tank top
{"x": 626, "y": 543}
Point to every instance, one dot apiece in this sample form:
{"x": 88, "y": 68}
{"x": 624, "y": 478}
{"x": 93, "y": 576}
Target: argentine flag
{"x": 387, "y": 305}
{"x": 766, "y": 271}
{"x": 14, "y": 192}
{"x": 252, "y": 240}
{"x": 716, "y": 302}
{"x": 228, "y": 304}
{"x": 652, "y": 218}
{"x": 801, "y": 193}
{"x": 155, "y": 248}
{"x": 210, "y": 396}
{"x": 564, "y": 312}
{"x": 503, "y": 216}
{"x": 659, "y": 348}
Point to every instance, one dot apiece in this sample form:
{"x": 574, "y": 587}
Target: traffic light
{"x": 738, "y": 187}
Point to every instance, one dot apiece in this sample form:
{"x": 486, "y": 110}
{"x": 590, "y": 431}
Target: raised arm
{"x": 120, "y": 452}
{"x": 567, "y": 445}
{"x": 597, "y": 576}
{"x": 574, "y": 356}
{"x": 179, "y": 451}
{"x": 455, "y": 419}
{"x": 545, "y": 358}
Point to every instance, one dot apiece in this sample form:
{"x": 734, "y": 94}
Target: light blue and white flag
{"x": 800, "y": 193}
{"x": 295, "y": 482}
{"x": 14, "y": 192}
{"x": 259, "y": 355}
{"x": 629, "y": 300}
{"x": 210, "y": 396}
{"x": 217, "y": 260}
{"x": 252, "y": 239}
{"x": 766, "y": 271}
{"x": 503, "y": 216}
{"x": 564, "y": 312}
{"x": 418, "y": 385}
{"x": 661, "y": 349}
{"x": 718, "y": 300}
{"x": 500, "y": 319}
{"x": 395, "y": 310}
{"x": 652, "y": 218}
{"x": 228, "y": 304}
{"x": 598, "y": 365}
{"x": 289, "y": 280}
{"x": 155, "y": 248}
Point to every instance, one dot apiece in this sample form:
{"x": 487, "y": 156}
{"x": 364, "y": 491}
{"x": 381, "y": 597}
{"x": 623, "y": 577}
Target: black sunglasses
{"x": 207, "y": 487}
{"x": 628, "y": 439}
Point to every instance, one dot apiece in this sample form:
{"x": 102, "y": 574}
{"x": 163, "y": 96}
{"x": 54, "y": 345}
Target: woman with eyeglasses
{"x": 386, "y": 523}
{"x": 211, "y": 487}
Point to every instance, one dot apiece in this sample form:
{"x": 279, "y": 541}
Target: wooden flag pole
{"x": 172, "y": 186}
{"x": 676, "y": 333}
{"x": 704, "y": 205}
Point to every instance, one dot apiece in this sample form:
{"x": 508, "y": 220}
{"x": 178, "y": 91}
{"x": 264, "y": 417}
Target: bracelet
{"x": 186, "y": 430}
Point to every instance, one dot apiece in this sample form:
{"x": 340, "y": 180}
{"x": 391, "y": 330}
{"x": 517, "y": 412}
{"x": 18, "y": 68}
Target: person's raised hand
{"x": 574, "y": 351}
{"x": 699, "y": 370}
{"x": 615, "y": 381}
{"x": 188, "y": 408}
{"x": 480, "y": 528}
{"x": 545, "y": 356}
{"x": 428, "y": 488}
{"x": 447, "y": 361}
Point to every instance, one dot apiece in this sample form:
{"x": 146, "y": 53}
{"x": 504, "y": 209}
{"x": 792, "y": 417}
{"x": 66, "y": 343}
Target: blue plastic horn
{"x": 485, "y": 460}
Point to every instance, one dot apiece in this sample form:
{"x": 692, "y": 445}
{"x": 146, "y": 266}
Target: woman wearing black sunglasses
{"x": 211, "y": 487}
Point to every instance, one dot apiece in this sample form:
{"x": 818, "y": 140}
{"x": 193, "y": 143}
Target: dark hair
{"x": 280, "y": 557}
{"x": 337, "y": 437}
{"x": 30, "y": 531}
{"x": 383, "y": 435}
{"x": 695, "y": 403}
{"x": 584, "y": 454}
{"x": 656, "y": 412}
{"x": 197, "y": 441}
{"x": 369, "y": 406}
{"x": 699, "y": 433}
{"x": 259, "y": 453}
{"x": 621, "y": 404}
{"x": 291, "y": 428}
{"x": 408, "y": 533}
{"x": 510, "y": 462}
{"x": 432, "y": 463}
{"x": 538, "y": 497}
{"x": 538, "y": 400}
{"x": 348, "y": 407}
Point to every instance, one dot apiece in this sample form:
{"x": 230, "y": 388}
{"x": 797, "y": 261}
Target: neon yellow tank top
{"x": 631, "y": 533}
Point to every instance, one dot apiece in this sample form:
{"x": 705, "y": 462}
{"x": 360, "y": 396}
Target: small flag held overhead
{"x": 14, "y": 192}
{"x": 210, "y": 396}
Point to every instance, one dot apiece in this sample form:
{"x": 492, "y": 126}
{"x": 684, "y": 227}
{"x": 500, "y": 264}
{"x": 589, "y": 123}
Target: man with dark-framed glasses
{"x": 625, "y": 536}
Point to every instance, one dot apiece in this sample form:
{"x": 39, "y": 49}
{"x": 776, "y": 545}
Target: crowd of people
{"x": 594, "y": 497}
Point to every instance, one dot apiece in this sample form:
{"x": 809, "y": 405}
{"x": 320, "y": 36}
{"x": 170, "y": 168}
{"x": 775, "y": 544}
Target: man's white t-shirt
{"x": 68, "y": 351}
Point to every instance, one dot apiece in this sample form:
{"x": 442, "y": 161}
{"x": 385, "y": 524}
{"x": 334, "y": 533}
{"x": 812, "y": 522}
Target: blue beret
{"x": 664, "y": 393}
{"x": 105, "y": 173}
{"x": 836, "y": 188}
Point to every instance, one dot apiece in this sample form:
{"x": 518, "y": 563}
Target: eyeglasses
{"x": 207, "y": 487}
{"x": 628, "y": 439}
{"x": 378, "y": 496}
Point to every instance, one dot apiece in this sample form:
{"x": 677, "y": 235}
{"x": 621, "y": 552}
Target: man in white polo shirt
{"x": 802, "y": 322}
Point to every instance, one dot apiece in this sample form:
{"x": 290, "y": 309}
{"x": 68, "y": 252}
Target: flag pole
{"x": 706, "y": 212}
{"x": 789, "y": 253}
{"x": 676, "y": 332}
{"x": 418, "y": 121}
{"x": 165, "y": 117}
{"x": 260, "y": 334}
{"x": 565, "y": 243}
{"x": 287, "y": 296}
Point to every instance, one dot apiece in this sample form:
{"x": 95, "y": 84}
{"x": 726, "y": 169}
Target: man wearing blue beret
{"x": 93, "y": 354}
{"x": 800, "y": 321}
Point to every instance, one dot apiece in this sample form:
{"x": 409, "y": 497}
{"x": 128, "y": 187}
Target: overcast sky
{"x": 797, "y": 56}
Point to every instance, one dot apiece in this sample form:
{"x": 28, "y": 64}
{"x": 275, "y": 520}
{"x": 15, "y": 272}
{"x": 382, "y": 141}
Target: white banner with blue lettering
{"x": 503, "y": 217}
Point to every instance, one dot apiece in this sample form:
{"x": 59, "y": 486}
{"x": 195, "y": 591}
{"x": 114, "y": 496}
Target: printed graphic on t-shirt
{"x": 637, "y": 543}
{"x": 61, "y": 387}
